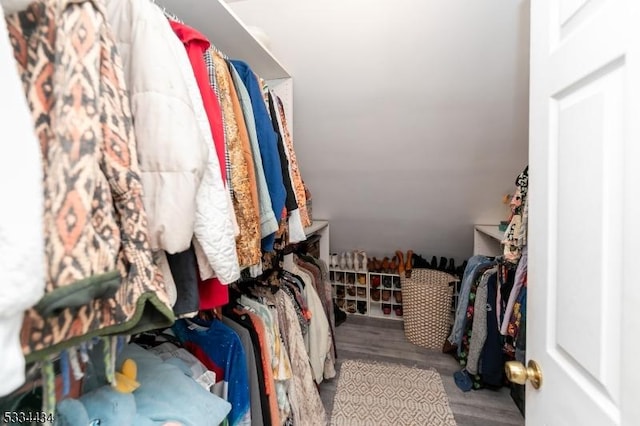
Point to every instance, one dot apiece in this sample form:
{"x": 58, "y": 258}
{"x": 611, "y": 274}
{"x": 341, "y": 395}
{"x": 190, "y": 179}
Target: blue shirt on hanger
{"x": 268, "y": 142}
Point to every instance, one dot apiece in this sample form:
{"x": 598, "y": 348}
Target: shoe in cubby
{"x": 386, "y": 281}
{"x": 375, "y": 295}
{"x": 386, "y": 309}
{"x": 398, "y": 310}
{"x": 351, "y": 290}
{"x": 396, "y": 281}
{"x": 375, "y": 280}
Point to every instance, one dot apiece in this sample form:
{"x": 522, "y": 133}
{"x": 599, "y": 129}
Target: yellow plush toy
{"x": 126, "y": 380}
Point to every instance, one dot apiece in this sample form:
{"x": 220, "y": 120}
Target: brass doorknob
{"x": 518, "y": 373}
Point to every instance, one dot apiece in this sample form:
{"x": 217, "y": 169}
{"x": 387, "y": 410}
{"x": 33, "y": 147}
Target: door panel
{"x": 588, "y": 147}
{"x": 583, "y": 113}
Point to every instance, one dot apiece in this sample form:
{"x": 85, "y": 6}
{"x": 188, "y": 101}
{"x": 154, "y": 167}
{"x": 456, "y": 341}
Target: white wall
{"x": 410, "y": 117}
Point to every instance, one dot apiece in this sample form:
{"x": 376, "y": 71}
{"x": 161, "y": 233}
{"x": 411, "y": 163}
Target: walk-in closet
{"x": 336, "y": 212}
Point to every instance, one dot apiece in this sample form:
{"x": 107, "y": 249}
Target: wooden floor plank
{"x": 382, "y": 340}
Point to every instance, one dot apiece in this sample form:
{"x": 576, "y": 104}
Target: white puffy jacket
{"x": 21, "y": 224}
{"x": 171, "y": 150}
{"x": 183, "y": 190}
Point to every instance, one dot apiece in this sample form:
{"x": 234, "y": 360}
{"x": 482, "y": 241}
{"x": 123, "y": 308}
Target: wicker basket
{"x": 427, "y": 307}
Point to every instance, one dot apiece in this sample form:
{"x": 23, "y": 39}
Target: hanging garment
{"x": 184, "y": 271}
{"x": 100, "y": 275}
{"x": 252, "y": 370}
{"x": 318, "y": 340}
{"x": 474, "y": 266}
{"x": 169, "y": 90}
{"x": 243, "y": 133}
{"x": 268, "y": 146}
{"x": 306, "y": 405}
{"x": 296, "y": 230}
{"x": 222, "y": 345}
{"x": 268, "y": 221}
{"x": 248, "y": 242}
{"x": 171, "y": 150}
{"x": 267, "y": 364}
{"x": 318, "y": 269}
{"x": 245, "y": 322}
{"x": 21, "y": 233}
{"x": 214, "y": 238}
{"x": 479, "y": 323}
{"x": 492, "y": 361}
{"x": 280, "y": 359}
{"x": 196, "y": 45}
{"x": 515, "y": 236}
{"x": 519, "y": 281}
{"x": 216, "y": 90}
{"x": 296, "y": 176}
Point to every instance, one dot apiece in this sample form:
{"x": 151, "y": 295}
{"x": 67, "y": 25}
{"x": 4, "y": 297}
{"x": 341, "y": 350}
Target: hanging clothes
{"x": 223, "y": 346}
{"x": 296, "y": 230}
{"x": 252, "y": 370}
{"x": 219, "y": 255}
{"x": 243, "y": 320}
{"x": 22, "y": 243}
{"x": 243, "y": 134}
{"x": 268, "y": 221}
{"x": 479, "y": 323}
{"x": 100, "y": 278}
{"x": 280, "y": 360}
{"x": 515, "y": 236}
{"x": 268, "y": 146}
{"x": 248, "y": 242}
{"x": 171, "y": 150}
{"x": 296, "y": 176}
{"x": 306, "y": 405}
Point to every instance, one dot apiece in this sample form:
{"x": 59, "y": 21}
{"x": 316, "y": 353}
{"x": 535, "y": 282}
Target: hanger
{"x": 166, "y": 13}
{"x": 218, "y": 51}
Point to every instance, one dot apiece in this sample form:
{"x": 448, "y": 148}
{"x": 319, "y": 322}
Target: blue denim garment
{"x": 268, "y": 221}
{"x": 268, "y": 141}
{"x": 474, "y": 265}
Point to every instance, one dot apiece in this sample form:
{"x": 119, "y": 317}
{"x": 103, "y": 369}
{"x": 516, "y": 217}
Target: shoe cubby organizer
{"x": 374, "y": 294}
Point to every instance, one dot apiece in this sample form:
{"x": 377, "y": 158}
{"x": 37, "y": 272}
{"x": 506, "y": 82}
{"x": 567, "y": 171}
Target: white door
{"x": 583, "y": 315}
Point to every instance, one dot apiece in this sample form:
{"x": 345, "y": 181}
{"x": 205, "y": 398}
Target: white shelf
{"x": 487, "y": 240}
{"x": 316, "y": 226}
{"x": 491, "y": 230}
{"x": 216, "y": 20}
{"x": 375, "y": 310}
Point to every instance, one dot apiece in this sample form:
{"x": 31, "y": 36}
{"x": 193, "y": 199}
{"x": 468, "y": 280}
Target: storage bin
{"x": 427, "y": 307}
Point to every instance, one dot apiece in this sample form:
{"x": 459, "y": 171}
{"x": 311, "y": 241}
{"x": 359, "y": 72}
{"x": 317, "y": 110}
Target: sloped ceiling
{"x": 411, "y": 116}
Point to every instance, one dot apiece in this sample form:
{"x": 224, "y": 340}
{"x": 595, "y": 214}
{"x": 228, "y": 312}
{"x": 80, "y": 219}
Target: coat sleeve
{"x": 21, "y": 223}
{"x": 171, "y": 152}
{"x": 214, "y": 228}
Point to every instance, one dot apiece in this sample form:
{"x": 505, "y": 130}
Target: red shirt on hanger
{"x": 212, "y": 292}
{"x": 196, "y": 45}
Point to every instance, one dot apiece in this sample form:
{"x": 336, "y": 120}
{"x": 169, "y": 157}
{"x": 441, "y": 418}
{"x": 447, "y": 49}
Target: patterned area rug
{"x": 389, "y": 394}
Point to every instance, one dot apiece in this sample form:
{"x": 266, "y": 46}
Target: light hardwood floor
{"x": 383, "y": 340}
